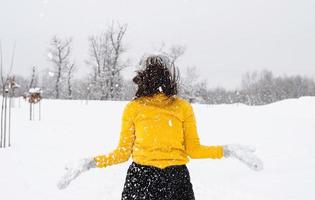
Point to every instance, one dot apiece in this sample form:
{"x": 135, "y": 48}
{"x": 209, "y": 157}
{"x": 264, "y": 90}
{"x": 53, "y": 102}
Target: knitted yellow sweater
{"x": 158, "y": 131}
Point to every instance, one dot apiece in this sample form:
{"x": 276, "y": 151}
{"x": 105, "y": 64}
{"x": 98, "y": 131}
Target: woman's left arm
{"x": 192, "y": 143}
{"x": 194, "y": 149}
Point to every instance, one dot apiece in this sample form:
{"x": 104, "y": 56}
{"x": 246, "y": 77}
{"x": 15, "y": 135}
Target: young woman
{"x": 159, "y": 131}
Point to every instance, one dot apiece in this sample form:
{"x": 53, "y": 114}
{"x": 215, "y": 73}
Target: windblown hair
{"x": 158, "y": 74}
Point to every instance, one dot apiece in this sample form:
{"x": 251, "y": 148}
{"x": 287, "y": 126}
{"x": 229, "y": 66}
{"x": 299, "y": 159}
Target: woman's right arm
{"x": 127, "y": 136}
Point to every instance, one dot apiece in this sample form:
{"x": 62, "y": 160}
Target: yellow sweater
{"x": 158, "y": 131}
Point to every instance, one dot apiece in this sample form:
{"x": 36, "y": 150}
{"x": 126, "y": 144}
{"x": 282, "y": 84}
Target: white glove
{"x": 75, "y": 170}
{"x": 244, "y": 154}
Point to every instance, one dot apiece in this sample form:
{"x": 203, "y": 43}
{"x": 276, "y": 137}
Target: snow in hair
{"x": 156, "y": 59}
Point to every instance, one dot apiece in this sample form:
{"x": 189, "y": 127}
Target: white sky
{"x": 224, "y": 38}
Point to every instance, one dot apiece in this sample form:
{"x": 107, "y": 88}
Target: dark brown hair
{"x": 158, "y": 74}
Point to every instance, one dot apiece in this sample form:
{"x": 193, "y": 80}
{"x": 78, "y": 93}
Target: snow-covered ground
{"x": 283, "y": 132}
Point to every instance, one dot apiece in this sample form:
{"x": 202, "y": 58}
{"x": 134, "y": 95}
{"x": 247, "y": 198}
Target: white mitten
{"x": 245, "y": 154}
{"x": 75, "y": 170}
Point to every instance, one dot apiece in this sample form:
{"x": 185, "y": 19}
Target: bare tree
{"x": 105, "y": 54}
{"x": 71, "y": 69}
{"x": 190, "y": 84}
{"x": 34, "y": 78}
{"x": 59, "y": 55}
{"x": 3, "y": 91}
{"x": 175, "y": 52}
{"x": 6, "y": 91}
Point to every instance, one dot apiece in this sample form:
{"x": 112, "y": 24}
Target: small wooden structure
{"x": 34, "y": 96}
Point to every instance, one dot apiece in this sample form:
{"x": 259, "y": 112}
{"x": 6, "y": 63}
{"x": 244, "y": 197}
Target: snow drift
{"x": 282, "y": 132}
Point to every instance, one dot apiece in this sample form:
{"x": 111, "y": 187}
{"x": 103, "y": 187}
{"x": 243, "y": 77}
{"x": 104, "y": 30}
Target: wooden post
{"x": 2, "y": 108}
{"x": 35, "y": 97}
{"x": 39, "y": 110}
{"x": 31, "y": 111}
{"x": 10, "y": 104}
{"x": 5, "y": 118}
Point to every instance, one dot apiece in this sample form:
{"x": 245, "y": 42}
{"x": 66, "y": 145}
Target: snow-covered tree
{"x": 70, "y": 70}
{"x": 105, "y": 59}
{"x": 34, "y": 78}
{"x": 59, "y": 55}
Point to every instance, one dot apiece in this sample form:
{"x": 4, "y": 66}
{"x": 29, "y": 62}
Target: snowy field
{"x": 283, "y": 132}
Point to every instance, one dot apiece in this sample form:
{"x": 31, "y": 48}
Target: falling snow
{"x": 51, "y": 74}
{"x": 50, "y": 56}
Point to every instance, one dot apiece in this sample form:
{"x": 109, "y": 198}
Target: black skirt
{"x": 152, "y": 183}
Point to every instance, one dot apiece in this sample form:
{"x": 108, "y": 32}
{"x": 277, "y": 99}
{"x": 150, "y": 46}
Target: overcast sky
{"x": 224, "y": 38}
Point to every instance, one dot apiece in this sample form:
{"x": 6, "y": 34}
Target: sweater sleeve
{"x": 124, "y": 149}
{"x": 191, "y": 139}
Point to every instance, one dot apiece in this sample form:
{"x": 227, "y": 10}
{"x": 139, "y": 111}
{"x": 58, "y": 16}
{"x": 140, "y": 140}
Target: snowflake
{"x": 50, "y": 56}
{"x": 170, "y": 123}
{"x": 51, "y": 74}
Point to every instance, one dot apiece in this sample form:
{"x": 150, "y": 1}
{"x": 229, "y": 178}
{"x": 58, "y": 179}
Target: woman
{"x": 159, "y": 132}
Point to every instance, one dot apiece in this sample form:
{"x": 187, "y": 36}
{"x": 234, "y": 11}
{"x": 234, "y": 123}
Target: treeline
{"x": 104, "y": 81}
{"x": 257, "y": 88}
